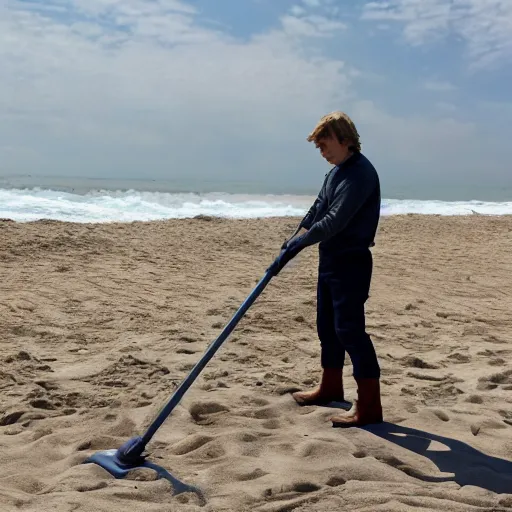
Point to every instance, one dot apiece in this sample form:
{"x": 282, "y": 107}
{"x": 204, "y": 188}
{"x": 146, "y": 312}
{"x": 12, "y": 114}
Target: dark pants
{"x": 343, "y": 288}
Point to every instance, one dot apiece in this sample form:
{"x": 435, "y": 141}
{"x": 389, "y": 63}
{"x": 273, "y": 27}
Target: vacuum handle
{"x": 210, "y": 352}
{"x": 194, "y": 373}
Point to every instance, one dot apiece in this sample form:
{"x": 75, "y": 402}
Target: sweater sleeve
{"x": 348, "y": 197}
{"x": 307, "y": 221}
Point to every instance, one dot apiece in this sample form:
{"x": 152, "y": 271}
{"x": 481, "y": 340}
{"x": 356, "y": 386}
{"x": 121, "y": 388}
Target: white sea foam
{"x": 127, "y": 206}
{"x": 432, "y": 207}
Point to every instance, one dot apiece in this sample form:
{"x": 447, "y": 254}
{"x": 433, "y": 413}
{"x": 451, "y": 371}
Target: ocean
{"x": 95, "y": 200}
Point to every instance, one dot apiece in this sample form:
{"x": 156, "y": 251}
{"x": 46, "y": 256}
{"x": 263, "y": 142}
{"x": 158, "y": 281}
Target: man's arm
{"x": 349, "y": 196}
{"x": 294, "y": 237}
{"x": 307, "y": 221}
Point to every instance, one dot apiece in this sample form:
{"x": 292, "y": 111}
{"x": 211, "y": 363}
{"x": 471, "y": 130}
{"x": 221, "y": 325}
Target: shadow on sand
{"x": 468, "y": 465}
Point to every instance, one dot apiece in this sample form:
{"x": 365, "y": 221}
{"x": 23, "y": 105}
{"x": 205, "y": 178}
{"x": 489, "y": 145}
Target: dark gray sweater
{"x": 346, "y": 213}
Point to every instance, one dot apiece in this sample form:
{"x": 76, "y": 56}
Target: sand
{"x": 100, "y": 323}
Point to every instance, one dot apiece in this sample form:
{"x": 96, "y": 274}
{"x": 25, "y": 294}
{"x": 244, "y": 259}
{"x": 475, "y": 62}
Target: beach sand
{"x": 100, "y": 323}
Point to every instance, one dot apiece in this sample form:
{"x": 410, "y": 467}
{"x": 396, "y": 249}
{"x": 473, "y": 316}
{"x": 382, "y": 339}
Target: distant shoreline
{"x": 100, "y": 206}
{"x": 84, "y": 185}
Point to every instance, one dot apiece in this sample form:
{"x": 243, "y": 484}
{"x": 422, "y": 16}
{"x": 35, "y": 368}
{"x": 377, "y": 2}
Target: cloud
{"x": 297, "y": 10}
{"x": 416, "y": 141}
{"x": 312, "y": 3}
{"x": 483, "y": 25}
{"x": 302, "y": 20}
{"x": 446, "y": 106}
{"x": 102, "y": 85}
{"x": 311, "y": 26}
{"x": 438, "y": 86}
{"x": 437, "y": 157}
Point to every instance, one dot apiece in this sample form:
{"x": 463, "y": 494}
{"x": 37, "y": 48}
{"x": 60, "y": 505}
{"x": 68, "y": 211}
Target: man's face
{"x": 332, "y": 150}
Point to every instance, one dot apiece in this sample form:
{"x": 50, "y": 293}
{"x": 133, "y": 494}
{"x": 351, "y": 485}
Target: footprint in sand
{"x": 422, "y": 376}
{"x": 410, "y": 408}
{"x": 265, "y": 413}
{"x": 252, "y": 475}
{"x": 503, "y": 379}
{"x": 202, "y": 412}
{"x": 336, "y": 481}
{"x": 42, "y": 432}
{"x": 215, "y": 374}
{"x": 32, "y": 416}
{"x": 93, "y": 486}
{"x": 474, "y": 330}
{"x": 288, "y": 491}
{"x": 272, "y": 424}
{"x": 497, "y": 361}
{"x": 11, "y": 418}
{"x": 316, "y": 449}
{"x": 457, "y": 357}
{"x": 49, "y": 386}
{"x": 72, "y": 483}
{"x": 483, "y": 385}
{"x": 507, "y": 416}
{"x": 250, "y": 400}
{"x": 97, "y": 443}
{"x": 42, "y": 403}
{"x": 29, "y": 485}
{"x": 187, "y": 339}
{"x": 441, "y": 415}
{"x": 475, "y": 399}
{"x": 186, "y": 367}
{"x": 185, "y": 351}
{"x": 288, "y": 497}
{"x": 123, "y": 427}
{"x": 493, "y": 353}
{"x": 190, "y": 444}
{"x": 439, "y": 392}
{"x": 210, "y": 386}
{"x": 248, "y": 437}
{"x": 13, "y": 430}
{"x": 214, "y": 449}
{"x": 249, "y": 443}
{"x": 416, "y": 362}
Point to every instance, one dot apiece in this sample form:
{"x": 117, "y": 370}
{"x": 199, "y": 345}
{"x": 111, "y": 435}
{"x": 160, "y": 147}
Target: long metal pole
{"x": 194, "y": 373}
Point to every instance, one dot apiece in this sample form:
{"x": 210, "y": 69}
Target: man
{"x": 343, "y": 220}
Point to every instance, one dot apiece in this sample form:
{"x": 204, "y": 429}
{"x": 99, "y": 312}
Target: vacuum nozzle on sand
{"x": 131, "y": 454}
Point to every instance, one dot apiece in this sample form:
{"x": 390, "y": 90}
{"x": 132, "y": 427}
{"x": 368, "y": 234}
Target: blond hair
{"x": 339, "y": 124}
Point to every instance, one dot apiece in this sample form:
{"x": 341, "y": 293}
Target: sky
{"x": 228, "y": 90}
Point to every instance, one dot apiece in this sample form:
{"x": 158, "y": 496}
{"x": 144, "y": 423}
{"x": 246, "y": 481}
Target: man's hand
{"x": 287, "y": 242}
{"x": 291, "y": 249}
{"x": 284, "y": 257}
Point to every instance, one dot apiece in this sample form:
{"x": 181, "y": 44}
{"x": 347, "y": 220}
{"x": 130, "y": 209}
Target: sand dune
{"x": 100, "y": 323}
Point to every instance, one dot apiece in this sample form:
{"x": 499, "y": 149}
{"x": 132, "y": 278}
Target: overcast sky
{"x": 230, "y": 89}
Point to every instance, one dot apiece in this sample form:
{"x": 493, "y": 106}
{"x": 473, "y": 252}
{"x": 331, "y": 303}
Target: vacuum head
{"x": 130, "y": 455}
{"x": 109, "y": 460}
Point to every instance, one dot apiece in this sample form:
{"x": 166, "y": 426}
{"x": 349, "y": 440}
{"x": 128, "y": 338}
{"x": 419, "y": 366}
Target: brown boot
{"x": 329, "y": 390}
{"x": 367, "y": 408}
